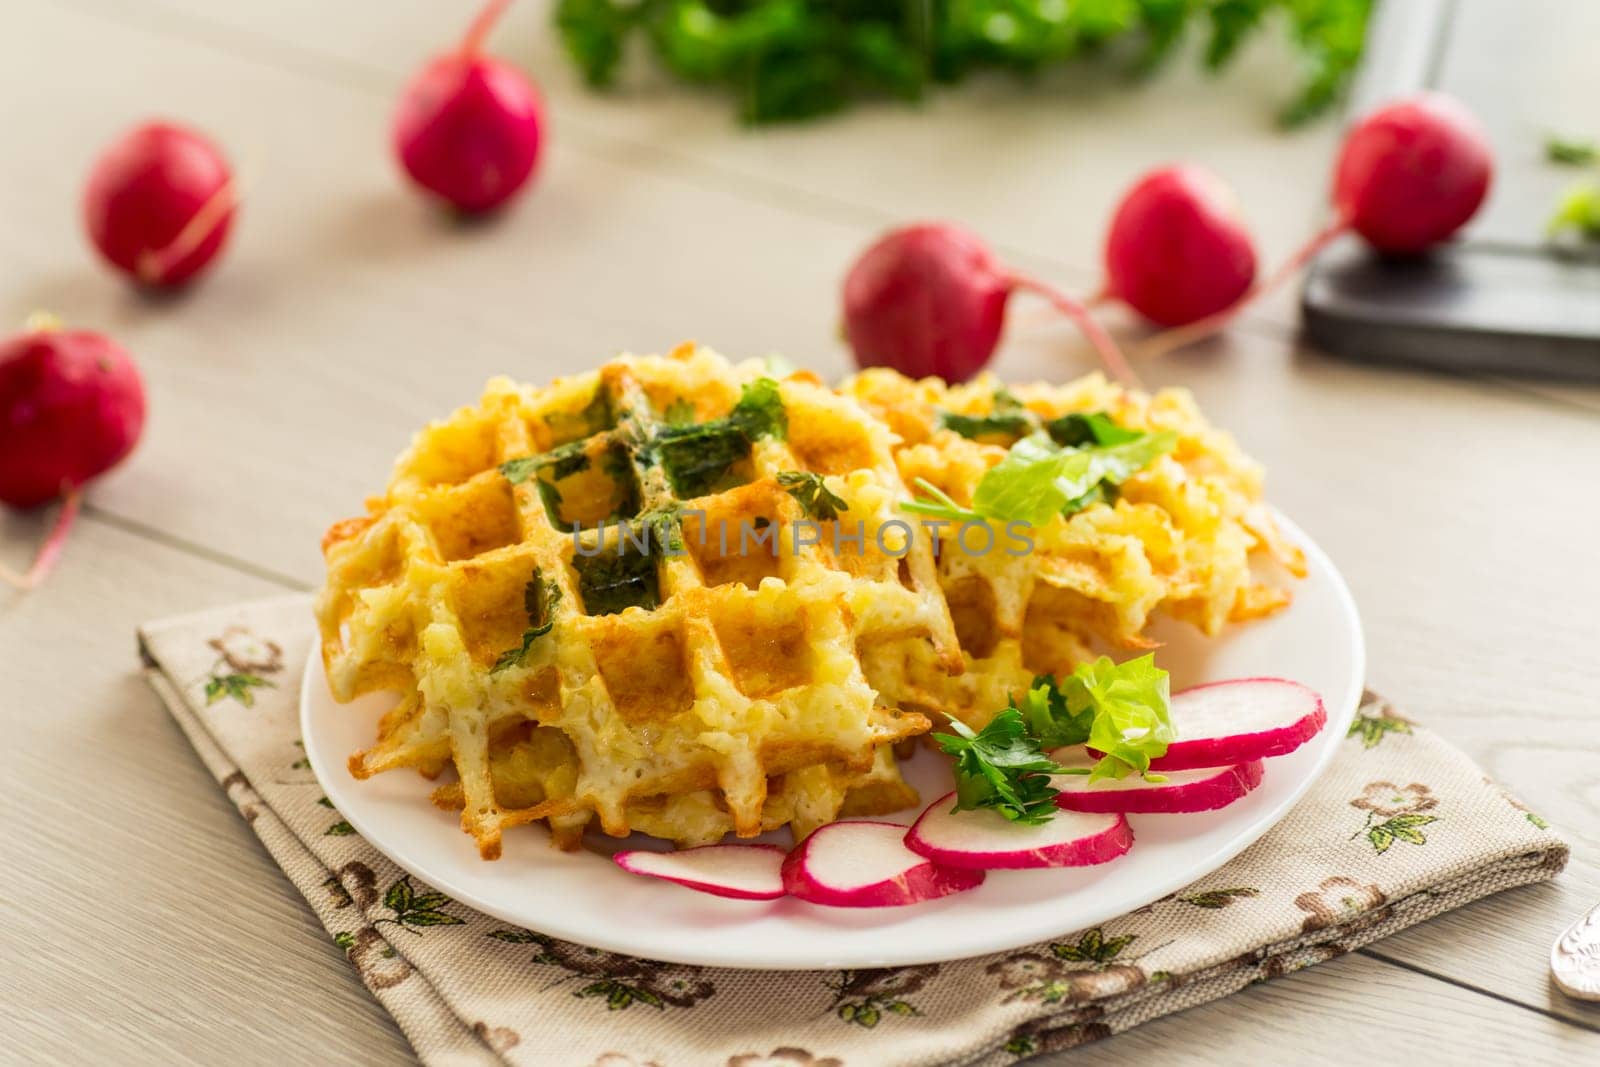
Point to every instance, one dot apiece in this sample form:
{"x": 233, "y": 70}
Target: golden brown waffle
{"x": 1179, "y": 538}
{"x": 653, "y": 674}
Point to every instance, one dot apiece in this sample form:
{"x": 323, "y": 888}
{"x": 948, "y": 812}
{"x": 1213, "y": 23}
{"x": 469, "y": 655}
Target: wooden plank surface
{"x": 1037, "y": 168}
{"x": 346, "y": 314}
{"x": 1352, "y": 1010}
{"x": 145, "y": 922}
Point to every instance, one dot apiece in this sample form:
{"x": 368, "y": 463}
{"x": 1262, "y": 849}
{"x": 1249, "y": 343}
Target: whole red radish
{"x": 930, "y": 299}
{"x": 1177, "y": 249}
{"x": 469, "y": 128}
{"x": 159, "y": 203}
{"x": 1410, "y": 174}
{"x": 71, "y": 407}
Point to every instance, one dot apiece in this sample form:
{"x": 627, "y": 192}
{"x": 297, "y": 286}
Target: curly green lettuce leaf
{"x": 1119, "y": 709}
{"x": 1131, "y": 723}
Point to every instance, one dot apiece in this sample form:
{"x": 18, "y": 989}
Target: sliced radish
{"x": 1224, "y": 723}
{"x": 1202, "y": 789}
{"x": 864, "y": 864}
{"x": 987, "y": 840}
{"x": 744, "y": 872}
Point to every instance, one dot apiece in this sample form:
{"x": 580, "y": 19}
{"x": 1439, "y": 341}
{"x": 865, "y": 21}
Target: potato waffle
{"x": 557, "y": 583}
{"x": 1179, "y": 536}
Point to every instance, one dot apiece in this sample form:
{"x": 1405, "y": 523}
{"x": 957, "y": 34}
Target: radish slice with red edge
{"x": 744, "y": 872}
{"x": 986, "y": 840}
{"x": 866, "y": 864}
{"x": 1224, "y": 723}
{"x": 1201, "y": 789}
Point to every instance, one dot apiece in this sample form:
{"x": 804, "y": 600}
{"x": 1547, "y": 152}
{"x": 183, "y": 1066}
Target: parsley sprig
{"x": 539, "y": 598}
{"x": 1120, "y": 709}
{"x": 1002, "y": 767}
{"x": 813, "y": 494}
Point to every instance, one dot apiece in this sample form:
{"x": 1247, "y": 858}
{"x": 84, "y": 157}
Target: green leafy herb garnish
{"x": 785, "y": 60}
{"x": 760, "y": 412}
{"x": 665, "y": 525}
{"x": 998, "y": 423}
{"x": 519, "y": 470}
{"x": 561, "y": 462}
{"x": 1088, "y": 428}
{"x": 1118, "y": 709}
{"x": 571, "y": 459}
{"x": 1570, "y": 150}
{"x": 679, "y": 413}
{"x": 1578, "y": 211}
{"x": 539, "y": 598}
{"x": 1008, "y": 418}
{"x": 594, "y": 417}
{"x": 703, "y": 461}
{"x": 813, "y": 494}
{"x": 1002, "y": 767}
{"x": 701, "y": 458}
{"x": 1038, "y": 479}
{"x": 1131, "y": 724}
{"x": 616, "y": 579}
{"x": 1051, "y": 719}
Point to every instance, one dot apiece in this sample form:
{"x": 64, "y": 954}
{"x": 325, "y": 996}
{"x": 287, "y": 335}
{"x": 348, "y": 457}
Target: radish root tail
{"x": 485, "y": 21}
{"x": 153, "y": 265}
{"x": 1115, "y": 363}
{"x": 1181, "y": 336}
{"x": 50, "y": 550}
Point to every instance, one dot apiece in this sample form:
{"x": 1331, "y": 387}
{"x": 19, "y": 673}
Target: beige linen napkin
{"x": 1400, "y": 828}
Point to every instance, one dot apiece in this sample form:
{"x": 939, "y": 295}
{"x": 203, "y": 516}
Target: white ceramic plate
{"x": 582, "y": 896}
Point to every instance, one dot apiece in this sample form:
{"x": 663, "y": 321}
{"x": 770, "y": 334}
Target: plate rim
{"x": 1016, "y": 936}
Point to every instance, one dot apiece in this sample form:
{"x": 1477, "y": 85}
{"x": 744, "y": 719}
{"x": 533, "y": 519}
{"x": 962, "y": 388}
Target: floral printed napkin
{"x": 1400, "y": 828}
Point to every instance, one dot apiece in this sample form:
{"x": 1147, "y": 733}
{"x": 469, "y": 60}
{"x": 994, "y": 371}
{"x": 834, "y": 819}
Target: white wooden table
{"x": 145, "y": 924}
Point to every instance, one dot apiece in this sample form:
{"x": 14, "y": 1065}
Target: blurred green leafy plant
{"x": 787, "y": 60}
{"x": 1578, "y": 210}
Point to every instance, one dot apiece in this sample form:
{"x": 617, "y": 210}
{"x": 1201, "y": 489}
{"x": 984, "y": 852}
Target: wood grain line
{"x": 94, "y": 513}
{"x": 1427, "y": 972}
